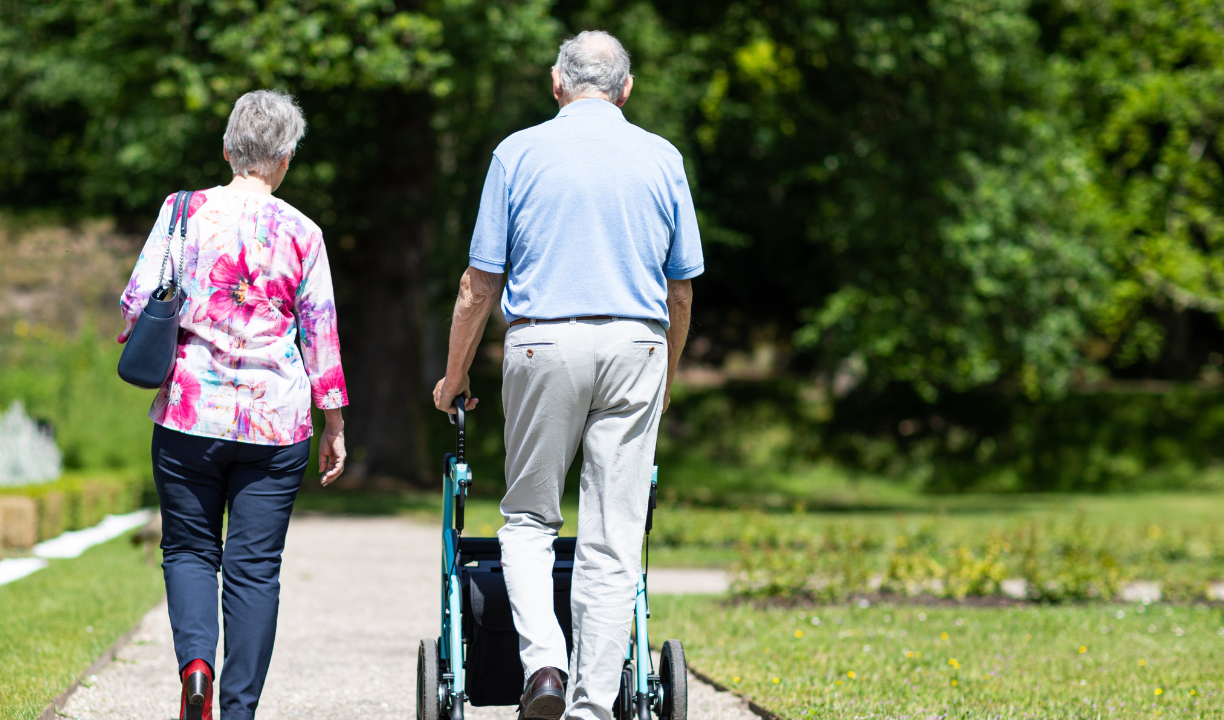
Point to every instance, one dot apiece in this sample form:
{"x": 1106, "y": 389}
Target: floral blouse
{"x": 256, "y": 275}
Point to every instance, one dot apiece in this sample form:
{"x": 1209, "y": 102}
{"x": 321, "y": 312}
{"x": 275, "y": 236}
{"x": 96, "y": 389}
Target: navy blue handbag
{"x": 149, "y": 353}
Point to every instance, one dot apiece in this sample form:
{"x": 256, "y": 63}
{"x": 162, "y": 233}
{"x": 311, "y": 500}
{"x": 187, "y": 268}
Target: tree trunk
{"x": 387, "y": 310}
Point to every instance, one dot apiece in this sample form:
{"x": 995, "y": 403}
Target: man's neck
{"x": 566, "y": 99}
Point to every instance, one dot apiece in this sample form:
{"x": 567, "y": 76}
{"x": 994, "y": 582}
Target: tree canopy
{"x": 943, "y": 195}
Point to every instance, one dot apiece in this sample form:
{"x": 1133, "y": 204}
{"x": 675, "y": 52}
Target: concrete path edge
{"x": 754, "y": 707}
{"x": 51, "y": 712}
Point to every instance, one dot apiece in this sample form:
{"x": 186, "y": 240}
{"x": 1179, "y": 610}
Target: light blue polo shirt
{"x": 591, "y": 214}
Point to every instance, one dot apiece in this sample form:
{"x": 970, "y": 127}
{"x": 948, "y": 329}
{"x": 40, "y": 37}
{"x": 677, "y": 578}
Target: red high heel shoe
{"x": 197, "y": 692}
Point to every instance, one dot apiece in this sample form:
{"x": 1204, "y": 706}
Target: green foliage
{"x": 99, "y": 421}
{"x": 1058, "y": 561}
{"x": 942, "y": 197}
{"x": 1140, "y": 84}
{"x": 749, "y": 441}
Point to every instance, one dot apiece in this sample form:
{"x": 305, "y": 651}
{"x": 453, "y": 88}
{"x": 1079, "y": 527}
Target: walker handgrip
{"x": 459, "y": 421}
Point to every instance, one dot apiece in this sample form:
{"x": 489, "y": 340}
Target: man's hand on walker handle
{"x": 331, "y": 447}
{"x": 445, "y": 392}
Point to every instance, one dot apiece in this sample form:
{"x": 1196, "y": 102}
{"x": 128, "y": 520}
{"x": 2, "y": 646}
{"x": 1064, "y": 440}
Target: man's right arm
{"x": 679, "y": 311}
{"x": 478, "y": 294}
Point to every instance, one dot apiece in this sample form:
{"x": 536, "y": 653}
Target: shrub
{"x": 27, "y": 452}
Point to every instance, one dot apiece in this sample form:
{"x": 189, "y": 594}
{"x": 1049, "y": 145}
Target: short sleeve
{"x": 684, "y": 258}
{"x": 491, "y": 238}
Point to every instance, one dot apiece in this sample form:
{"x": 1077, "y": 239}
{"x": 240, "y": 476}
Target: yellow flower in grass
{"x": 777, "y": 680}
{"x": 798, "y": 633}
{"x": 1160, "y": 691}
{"x": 953, "y": 663}
{"x": 953, "y": 683}
{"x": 909, "y": 653}
{"x": 735, "y": 679}
{"x": 1142, "y": 663}
{"x": 943, "y": 636}
{"x": 850, "y": 674}
{"x": 1083, "y": 649}
{"x": 837, "y": 683}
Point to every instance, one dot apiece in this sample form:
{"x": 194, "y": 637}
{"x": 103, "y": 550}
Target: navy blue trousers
{"x": 197, "y": 478}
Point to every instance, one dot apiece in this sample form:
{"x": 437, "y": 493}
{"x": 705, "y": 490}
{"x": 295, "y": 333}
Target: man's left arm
{"x": 679, "y": 309}
{"x": 478, "y": 293}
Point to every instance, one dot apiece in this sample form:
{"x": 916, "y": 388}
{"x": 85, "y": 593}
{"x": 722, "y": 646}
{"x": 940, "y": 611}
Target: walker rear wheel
{"x": 623, "y": 709}
{"x": 673, "y": 680}
{"x": 428, "y": 703}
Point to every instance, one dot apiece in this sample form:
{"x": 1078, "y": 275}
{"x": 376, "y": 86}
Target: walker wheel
{"x": 673, "y": 679}
{"x": 428, "y": 702}
{"x": 623, "y": 708}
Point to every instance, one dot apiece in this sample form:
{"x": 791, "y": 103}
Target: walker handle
{"x": 457, "y": 419}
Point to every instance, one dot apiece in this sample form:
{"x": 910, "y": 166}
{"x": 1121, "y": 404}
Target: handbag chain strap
{"x": 182, "y": 202}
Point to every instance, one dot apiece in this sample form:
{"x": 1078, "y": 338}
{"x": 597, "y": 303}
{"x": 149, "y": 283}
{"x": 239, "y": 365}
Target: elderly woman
{"x": 232, "y": 422}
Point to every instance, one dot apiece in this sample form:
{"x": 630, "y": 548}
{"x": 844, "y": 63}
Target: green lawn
{"x": 56, "y": 622}
{"x": 1088, "y": 661}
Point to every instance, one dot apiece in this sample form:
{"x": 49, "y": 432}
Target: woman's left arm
{"x": 144, "y": 278}
{"x": 316, "y": 315}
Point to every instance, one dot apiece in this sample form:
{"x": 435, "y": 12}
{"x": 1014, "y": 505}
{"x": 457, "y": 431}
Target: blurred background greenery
{"x": 952, "y": 245}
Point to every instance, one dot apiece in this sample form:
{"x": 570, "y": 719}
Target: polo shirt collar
{"x": 591, "y": 107}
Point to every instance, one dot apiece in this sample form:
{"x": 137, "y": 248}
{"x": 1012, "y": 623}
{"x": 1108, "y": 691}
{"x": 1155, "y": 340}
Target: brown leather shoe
{"x": 544, "y": 696}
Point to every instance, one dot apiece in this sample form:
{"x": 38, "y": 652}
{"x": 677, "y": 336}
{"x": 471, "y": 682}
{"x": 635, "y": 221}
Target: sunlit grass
{"x": 1106, "y": 660}
{"x": 56, "y": 622}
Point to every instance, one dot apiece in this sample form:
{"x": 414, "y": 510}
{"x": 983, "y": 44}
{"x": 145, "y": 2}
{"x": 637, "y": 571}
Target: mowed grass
{"x": 911, "y": 661}
{"x": 56, "y": 622}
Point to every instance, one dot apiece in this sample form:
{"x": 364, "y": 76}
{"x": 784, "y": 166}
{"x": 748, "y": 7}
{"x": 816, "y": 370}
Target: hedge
{"x": 32, "y": 513}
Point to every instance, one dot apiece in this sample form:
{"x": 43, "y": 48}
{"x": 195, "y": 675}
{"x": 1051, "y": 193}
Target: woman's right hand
{"x": 331, "y": 447}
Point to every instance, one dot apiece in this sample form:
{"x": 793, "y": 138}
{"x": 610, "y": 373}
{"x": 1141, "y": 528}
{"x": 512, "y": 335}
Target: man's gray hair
{"x": 593, "y": 62}
{"x": 264, "y": 127}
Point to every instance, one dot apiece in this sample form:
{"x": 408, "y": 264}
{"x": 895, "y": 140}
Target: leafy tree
{"x": 1139, "y": 83}
{"x": 882, "y": 179}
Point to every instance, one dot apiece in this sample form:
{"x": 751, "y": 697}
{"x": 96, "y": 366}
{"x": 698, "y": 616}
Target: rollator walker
{"x": 476, "y": 658}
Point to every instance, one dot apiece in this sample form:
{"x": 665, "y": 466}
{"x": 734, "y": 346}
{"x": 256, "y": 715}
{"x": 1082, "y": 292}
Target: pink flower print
{"x": 181, "y": 398}
{"x": 329, "y": 389}
{"x": 278, "y": 307}
{"x": 236, "y": 296}
{"x": 196, "y": 201}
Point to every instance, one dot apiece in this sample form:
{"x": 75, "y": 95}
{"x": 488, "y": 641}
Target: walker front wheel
{"x": 673, "y": 681}
{"x": 429, "y": 681}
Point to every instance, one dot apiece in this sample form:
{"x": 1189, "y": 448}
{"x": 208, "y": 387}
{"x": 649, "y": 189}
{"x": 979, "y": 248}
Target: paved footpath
{"x": 358, "y": 595}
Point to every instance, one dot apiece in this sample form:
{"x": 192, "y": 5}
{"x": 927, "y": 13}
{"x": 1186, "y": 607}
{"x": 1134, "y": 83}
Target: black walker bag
{"x": 494, "y": 670}
{"x": 148, "y": 356}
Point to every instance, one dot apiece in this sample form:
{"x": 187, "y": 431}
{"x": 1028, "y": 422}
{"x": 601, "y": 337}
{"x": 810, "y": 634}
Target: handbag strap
{"x": 178, "y": 203}
{"x": 178, "y": 282}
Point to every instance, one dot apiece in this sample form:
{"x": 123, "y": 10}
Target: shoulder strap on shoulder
{"x": 178, "y": 203}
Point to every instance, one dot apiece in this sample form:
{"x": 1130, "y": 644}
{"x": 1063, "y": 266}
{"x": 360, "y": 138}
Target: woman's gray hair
{"x": 264, "y": 127}
{"x": 593, "y": 61}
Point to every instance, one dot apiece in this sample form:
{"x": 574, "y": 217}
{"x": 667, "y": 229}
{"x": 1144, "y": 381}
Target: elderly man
{"x": 595, "y": 220}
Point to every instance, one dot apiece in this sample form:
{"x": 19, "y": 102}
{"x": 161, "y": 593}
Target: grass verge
{"x": 1087, "y": 661}
{"x": 56, "y": 622}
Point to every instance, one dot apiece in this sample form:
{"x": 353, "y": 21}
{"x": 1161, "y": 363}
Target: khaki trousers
{"x": 601, "y": 383}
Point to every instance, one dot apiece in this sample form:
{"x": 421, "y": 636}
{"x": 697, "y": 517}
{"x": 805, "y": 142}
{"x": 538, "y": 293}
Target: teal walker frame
{"x": 442, "y": 663}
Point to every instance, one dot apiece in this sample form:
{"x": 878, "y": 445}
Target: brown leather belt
{"x": 520, "y": 321}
